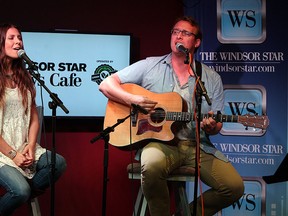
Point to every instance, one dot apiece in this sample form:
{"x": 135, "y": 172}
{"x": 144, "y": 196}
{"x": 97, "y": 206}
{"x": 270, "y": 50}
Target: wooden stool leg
{"x": 140, "y": 204}
{"x": 35, "y": 208}
{"x": 182, "y": 204}
{"x": 144, "y": 207}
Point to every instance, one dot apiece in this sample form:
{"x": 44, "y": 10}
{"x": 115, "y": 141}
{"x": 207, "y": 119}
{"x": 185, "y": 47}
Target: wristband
{"x": 12, "y": 154}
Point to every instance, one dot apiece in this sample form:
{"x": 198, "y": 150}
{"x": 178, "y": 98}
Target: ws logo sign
{"x": 241, "y": 21}
{"x": 242, "y": 100}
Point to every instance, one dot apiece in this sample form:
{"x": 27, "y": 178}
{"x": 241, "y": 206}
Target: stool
{"x": 178, "y": 178}
{"x": 34, "y": 204}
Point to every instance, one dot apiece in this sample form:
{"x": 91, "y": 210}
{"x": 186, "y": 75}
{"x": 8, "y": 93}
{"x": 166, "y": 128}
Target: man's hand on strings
{"x": 144, "y": 102}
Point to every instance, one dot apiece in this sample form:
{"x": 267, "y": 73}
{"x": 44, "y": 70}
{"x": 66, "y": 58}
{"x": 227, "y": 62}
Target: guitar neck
{"x": 247, "y": 120}
{"x": 186, "y": 117}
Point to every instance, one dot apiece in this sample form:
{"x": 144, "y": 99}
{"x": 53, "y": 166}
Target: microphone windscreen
{"x": 178, "y": 45}
{"x": 20, "y": 53}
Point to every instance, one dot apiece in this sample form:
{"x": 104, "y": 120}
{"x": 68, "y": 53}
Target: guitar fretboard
{"x": 186, "y": 117}
{"x": 179, "y": 116}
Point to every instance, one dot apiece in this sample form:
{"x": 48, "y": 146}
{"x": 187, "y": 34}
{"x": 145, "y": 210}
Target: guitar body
{"x": 141, "y": 126}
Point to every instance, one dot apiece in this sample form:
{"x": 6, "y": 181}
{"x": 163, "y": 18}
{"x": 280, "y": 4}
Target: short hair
{"x": 193, "y": 23}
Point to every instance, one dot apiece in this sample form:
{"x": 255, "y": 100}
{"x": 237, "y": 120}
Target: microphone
{"x": 139, "y": 108}
{"x": 181, "y": 48}
{"x": 22, "y": 54}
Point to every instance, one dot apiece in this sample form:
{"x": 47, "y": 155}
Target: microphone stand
{"x": 200, "y": 91}
{"x": 52, "y": 105}
{"x": 105, "y": 136}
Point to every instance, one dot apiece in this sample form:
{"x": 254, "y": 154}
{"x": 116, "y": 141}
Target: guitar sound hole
{"x": 158, "y": 115}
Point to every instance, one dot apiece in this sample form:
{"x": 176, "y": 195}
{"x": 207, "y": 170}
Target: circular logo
{"x": 101, "y": 72}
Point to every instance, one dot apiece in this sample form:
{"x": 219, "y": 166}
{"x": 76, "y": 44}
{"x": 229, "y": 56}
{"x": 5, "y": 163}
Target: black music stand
{"x": 105, "y": 136}
{"x": 56, "y": 102}
{"x": 281, "y": 173}
{"x": 200, "y": 91}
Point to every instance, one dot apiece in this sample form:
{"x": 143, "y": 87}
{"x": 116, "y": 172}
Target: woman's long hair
{"x": 21, "y": 76}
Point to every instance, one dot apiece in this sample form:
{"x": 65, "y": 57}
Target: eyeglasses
{"x": 183, "y": 32}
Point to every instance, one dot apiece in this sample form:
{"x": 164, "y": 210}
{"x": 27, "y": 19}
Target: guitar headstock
{"x": 255, "y": 121}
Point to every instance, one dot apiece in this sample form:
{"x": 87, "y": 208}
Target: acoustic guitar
{"x": 139, "y": 128}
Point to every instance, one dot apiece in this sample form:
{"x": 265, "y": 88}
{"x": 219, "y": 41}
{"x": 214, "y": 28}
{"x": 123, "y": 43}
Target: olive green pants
{"x": 158, "y": 160}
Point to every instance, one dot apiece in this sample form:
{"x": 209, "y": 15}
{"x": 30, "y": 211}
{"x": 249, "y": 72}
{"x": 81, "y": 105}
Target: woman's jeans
{"x": 19, "y": 189}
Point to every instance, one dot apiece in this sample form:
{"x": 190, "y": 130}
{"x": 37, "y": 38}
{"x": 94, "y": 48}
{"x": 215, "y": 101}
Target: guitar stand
{"x": 105, "y": 136}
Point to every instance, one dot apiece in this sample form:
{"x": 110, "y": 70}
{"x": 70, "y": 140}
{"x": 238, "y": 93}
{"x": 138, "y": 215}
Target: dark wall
{"x": 79, "y": 191}
{"x": 149, "y": 22}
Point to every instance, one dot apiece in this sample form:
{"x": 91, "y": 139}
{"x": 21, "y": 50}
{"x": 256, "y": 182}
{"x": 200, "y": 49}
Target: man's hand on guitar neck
{"x": 210, "y": 126}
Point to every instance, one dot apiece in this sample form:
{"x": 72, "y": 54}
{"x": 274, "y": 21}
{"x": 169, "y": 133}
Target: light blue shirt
{"x": 156, "y": 74}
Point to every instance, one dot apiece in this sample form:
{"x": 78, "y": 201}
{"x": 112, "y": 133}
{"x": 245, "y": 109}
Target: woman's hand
{"x": 22, "y": 161}
{"x": 26, "y": 157}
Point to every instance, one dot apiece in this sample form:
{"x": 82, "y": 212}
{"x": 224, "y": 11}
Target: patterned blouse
{"x": 14, "y": 128}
